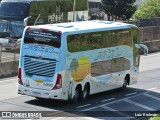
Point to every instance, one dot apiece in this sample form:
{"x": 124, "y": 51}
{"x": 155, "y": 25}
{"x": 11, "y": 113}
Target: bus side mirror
{"x": 25, "y": 21}
{"x": 68, "y": 54}
{"x": 144, "y": 47}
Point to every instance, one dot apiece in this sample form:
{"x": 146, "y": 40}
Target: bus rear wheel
{"x": 76, "y": 96}
{"x": 85, "y": 93}
{"x": 125, "y": 83}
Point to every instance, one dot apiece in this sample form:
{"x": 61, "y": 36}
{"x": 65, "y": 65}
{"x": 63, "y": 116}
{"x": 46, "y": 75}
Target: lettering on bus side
{"x": 48, "y": 84}
{"x": 108, "y": 54}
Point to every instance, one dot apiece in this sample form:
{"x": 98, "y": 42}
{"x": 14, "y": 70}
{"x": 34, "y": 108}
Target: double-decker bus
{"x": 73, "y": 60}
{"x": 16, "y": 14}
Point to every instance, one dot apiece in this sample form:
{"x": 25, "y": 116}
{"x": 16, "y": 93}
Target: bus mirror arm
{"x": 68, "y": 54}
{"x": 25, "y": 21}
{"x": 144, "y": 47}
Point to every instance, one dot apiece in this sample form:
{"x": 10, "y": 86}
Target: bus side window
{"x": 84, "y": 42}
{"x": 125, "y": 37}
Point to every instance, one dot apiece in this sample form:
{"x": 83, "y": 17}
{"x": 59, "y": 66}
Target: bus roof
{"x": 92, "y": 26}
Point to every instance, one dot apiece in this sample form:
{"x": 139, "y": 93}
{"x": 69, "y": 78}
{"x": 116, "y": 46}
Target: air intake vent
{"x": 65, "y": 25}
{"x": 38, "y": 67}
{"x": 106, "y": 22}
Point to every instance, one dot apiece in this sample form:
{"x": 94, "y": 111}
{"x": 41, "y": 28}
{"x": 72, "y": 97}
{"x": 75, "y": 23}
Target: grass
{"x": 155, "y": 118}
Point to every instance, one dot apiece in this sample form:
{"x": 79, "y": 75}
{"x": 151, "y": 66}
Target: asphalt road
{"x": 141, "y": 98}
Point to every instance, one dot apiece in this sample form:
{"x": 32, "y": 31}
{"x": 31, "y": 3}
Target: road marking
{"x": 83, "y": 106}
{"x": 131, "y": 94}
{"x": 90, "y": 118}
{"x": 112, "y": 102}
{"x": 152, "y": 88}
{"x": 58, "y": 118}
{"x": 151, "y": 96}
{"x": 115, "y": 111}
{"x": 76, "y": 118}
{"x": 7, "y": 80}
{"x": 55, "y": 112}
{"x": 140, "y": 105}
{"x": 108, "y": 100}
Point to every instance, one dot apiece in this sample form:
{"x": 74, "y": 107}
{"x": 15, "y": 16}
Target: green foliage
{"x": 155, "y": 118}
{"x": 119, "y": 7}
{"x": 48, "y": 7}
{"x": 94, "y": 4}
{"x": 148, "y": 9}
{"x": 81, "y": 5}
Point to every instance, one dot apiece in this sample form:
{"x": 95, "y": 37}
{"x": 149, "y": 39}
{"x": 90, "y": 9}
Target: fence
{"x": 151, "y": 33}
{"x": 148, "y": 22}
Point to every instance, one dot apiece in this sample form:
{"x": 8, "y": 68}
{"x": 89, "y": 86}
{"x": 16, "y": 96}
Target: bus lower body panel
{"x": 47, "y": 94}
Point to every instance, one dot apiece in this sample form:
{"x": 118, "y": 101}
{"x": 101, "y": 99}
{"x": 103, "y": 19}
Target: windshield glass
{"x": 14, "y": 9}
{"x": 12, "y": 28}
{"x": 43, "y": 37}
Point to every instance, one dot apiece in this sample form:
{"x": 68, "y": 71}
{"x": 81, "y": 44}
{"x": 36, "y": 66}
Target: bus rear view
{"x": 40, "y": 61}
{"x": 70, "y": 61}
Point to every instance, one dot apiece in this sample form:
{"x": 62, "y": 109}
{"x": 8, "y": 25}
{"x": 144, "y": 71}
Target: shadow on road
{"x": 96, "y": 109}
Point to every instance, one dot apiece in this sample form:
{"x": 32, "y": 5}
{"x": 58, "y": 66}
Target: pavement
{"x": 132, "y": 99}
{"x": 151, "y": 58}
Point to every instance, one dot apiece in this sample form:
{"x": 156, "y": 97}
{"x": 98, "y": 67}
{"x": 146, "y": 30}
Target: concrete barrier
{"x": 153, "y": 46}
{"x": 8, "y": 68}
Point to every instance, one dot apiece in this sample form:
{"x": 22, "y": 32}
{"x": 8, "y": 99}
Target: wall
{"x": 150, "y": 36}
{"x": 8, "y": 68}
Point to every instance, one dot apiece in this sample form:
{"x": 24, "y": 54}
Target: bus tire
{"x": 125, "y": 83}
{"x": 85, "y": 93}
{"x": 76, "y": 96}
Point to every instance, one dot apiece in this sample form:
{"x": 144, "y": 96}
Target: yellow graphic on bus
{"x": 39, "y": 81}
{"x": 80, "y": 68}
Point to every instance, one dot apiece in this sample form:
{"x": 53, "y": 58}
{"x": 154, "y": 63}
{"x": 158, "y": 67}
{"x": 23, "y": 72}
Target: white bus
{"x": 74, "y": 60}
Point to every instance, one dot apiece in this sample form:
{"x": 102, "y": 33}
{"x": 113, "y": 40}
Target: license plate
{"x": 36, "y": 93}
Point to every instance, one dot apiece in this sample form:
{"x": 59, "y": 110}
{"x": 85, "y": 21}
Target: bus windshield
{"x": 14, "y": 9}
{"x": 43, "y": 37}
{"x": 13, "y": 28}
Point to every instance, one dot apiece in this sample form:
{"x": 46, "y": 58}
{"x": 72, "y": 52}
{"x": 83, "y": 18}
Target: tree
{"x": 148, "y": 9}
{"x": 118, "y": 8}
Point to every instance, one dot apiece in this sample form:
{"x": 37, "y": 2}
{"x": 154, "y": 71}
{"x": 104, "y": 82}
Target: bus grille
{"x": 39, "y": 67}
